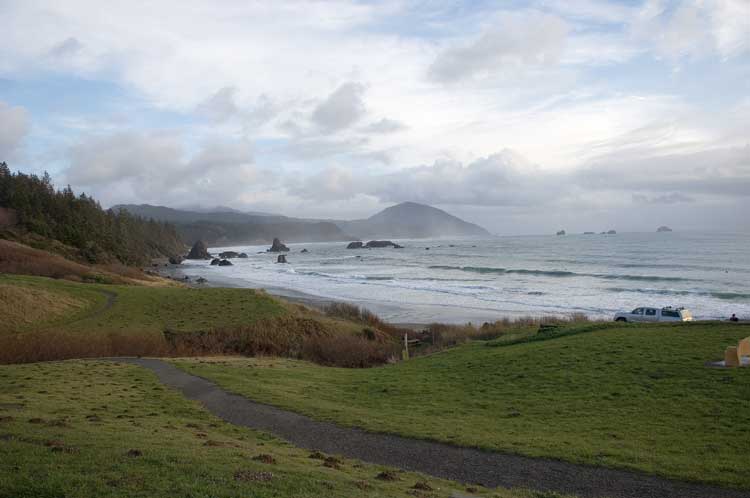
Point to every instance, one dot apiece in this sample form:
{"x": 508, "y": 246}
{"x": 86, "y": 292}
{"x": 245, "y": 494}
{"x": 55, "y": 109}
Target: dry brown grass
{"x": 363, "y": 316}
{"x": 20, "y": 259}
{"x": 23, "y": 260}
{"x": 348, "y": 351}
{"x": 20, "y": 306}
{"x": 54, "y": 346}
{"x": 290, "y": 337}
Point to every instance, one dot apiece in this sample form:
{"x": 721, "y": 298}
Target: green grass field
{"x": 86, "y": 428}
{"x": 143, "y": 308}
{"x": 627, "y": 396}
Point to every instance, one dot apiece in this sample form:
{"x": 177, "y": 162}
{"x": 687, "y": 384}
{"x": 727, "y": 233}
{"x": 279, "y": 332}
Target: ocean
{"x": 476, "y": 280}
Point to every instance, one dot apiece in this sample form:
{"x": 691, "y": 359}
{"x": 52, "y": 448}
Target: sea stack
{"x": 199, "y": 251}
{"x": 277, "y": 246}
{"x": 561, "y": 232}
{"x": 382, "y": 243}
{"x": 281, "y": 259}
{"x": 663, "y": 228}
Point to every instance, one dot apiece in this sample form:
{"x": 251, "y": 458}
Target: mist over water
{"x": 477, "y": 280}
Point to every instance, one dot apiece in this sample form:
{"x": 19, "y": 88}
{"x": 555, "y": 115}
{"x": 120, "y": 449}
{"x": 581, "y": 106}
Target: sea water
{"x": 481, "y": 280}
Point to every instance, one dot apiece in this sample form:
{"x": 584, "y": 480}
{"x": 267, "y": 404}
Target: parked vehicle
{"x": 667, "y": 314}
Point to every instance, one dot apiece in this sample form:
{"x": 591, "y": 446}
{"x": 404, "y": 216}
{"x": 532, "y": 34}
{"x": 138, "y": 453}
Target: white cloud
{"x": 695, "y": 28}
{"x": 66, "y": 48}
{"x": 14, "y": 125}
{"x": 518, "y": 40}
{"x": 384, "y": 125}
{"x": 155, "y": 168}
{"x": 220, "y": 106}
{"x": 341, "y": 109}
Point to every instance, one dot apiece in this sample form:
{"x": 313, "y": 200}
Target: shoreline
{"x": 177, "y": 273}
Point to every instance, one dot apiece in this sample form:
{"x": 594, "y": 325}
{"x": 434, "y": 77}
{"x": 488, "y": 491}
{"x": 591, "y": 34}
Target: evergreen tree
{"x": 79, "y": 221}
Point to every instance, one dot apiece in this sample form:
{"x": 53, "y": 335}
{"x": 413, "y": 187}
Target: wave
{"x": 726, "y": 296}
{"x": 560, "y": 273}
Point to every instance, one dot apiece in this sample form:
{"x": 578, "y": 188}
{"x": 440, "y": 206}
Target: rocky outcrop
{"x": 176, "y": 260}
{"x": 281, "y": 259}
{"x": 612, "y": 232}
{"x": 215, "y": 261}
{"x": 277, "y": 246}
{"x": 382, "y": 243}
{"x": 355, "y": 245}
{"x": 304, "y": 250}
{"x": 663, "y": 228}
{"x": 199, "y": 251}
{"x": 229, "y": 254}
{"x": 243, "y": 255}
{"x": 561, "y": 232}
{"x": 225, "y": 262}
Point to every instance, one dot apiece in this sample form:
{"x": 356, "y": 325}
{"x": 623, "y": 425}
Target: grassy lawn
{"x": 86, "y": 428}
{"x": 147, "y": 309}
{"x": 140, "y": 308}
{"x": 628, "y": 396}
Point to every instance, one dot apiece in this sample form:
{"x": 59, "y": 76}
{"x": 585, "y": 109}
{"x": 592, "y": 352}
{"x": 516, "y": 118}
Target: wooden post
{"x": 406, "y": 345}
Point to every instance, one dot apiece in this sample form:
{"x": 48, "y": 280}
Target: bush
{"x": 365, "y": 317}
{"x": 54, "y": 346}
{"x": 348, "y": 351}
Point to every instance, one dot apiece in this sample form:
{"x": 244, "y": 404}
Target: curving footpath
{"x": 466, "y": 465}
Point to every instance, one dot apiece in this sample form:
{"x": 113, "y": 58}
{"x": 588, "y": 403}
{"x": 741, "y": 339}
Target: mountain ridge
{"x": 403, "y": 220}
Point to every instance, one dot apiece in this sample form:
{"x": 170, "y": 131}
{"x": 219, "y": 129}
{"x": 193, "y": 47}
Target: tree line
{"x": 99, "y": 235}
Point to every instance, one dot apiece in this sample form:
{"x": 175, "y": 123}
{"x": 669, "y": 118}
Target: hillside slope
{"x": 637, "y": 397}
{"x": 412, "y": 220}
{"x": 232, "y": 227}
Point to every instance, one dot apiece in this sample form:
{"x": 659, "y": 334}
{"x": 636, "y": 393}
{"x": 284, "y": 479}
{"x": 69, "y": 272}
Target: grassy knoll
{"x": 627, "y": 396}
{"x": 141, "y": 308}
{"x": 46, "y": 319}
{"x": 86, "y": 428}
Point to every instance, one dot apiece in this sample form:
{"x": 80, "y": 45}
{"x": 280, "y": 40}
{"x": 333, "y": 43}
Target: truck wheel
{"x": 621, "y": 319}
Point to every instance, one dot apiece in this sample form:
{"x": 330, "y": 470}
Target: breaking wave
{"x": 560, "y": 273}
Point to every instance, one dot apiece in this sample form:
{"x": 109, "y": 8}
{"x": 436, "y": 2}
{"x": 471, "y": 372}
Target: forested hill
{"x": 30, "y": 205}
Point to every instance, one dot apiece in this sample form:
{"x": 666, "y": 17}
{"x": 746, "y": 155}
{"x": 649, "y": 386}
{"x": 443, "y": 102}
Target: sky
{"x": 522, "y": 116}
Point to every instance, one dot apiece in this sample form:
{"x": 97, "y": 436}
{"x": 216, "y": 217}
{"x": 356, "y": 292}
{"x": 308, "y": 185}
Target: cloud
{"x": 223, "y": 106}
{"x": 501, "y": 179}
{"x": 14, "y": 125}
{"x": 341, "y": 109}
{"x": 673, "y": 198}
{"x": 66, "y": 48}
{"x": 332, "y": 184}
{"x": 220, "y": 106}
{"x": 506, "y": 179}
{"x": 518, "y": 40}
{"x": 695, "y": 28}
{"x": 385, "y": 125}
{"x": 721, "y": 173}
{"x": 155, "y": 168}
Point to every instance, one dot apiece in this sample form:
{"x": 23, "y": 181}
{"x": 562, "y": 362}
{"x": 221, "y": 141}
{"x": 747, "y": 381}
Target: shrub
{"x": 53, "y": 346}
{"x": 347, "y": 351}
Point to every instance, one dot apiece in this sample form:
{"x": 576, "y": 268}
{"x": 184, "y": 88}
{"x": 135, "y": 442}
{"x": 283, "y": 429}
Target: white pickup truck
{"x": 667, "y": 314}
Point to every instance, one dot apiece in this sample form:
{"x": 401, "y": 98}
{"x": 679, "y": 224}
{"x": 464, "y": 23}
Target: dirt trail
{"x": 466, "y": 465}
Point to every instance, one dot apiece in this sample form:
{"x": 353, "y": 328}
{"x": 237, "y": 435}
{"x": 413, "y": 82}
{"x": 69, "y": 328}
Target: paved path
{"x": 465, "y": 465}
